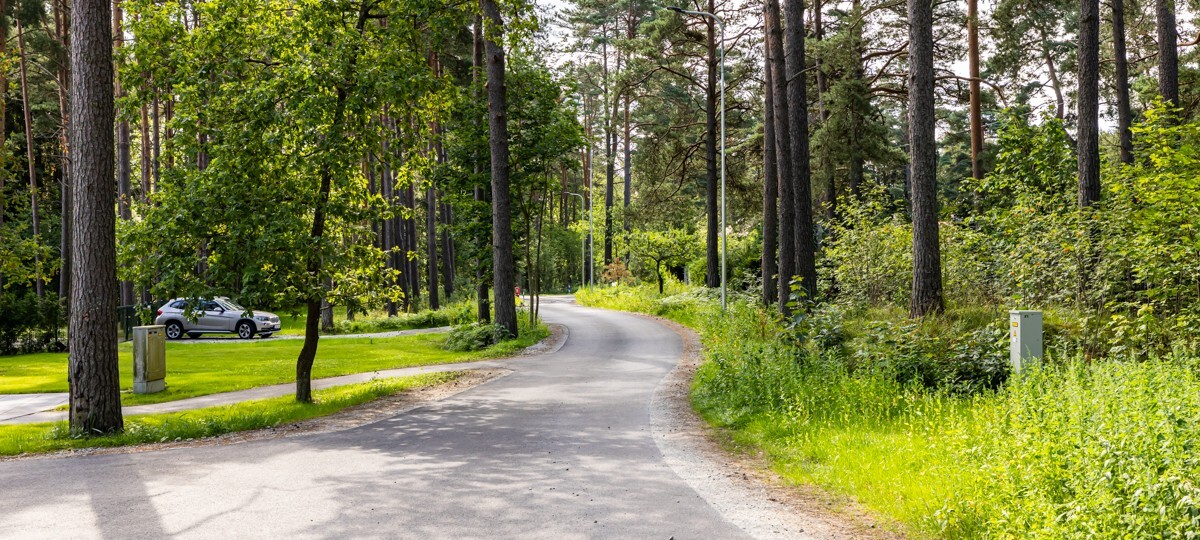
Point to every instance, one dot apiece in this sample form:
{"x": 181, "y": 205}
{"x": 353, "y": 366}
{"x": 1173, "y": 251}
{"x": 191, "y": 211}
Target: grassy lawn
{"x": 378, "y": 320}
{"x": 213, "y": 421}
{"x": 196, "y": 369}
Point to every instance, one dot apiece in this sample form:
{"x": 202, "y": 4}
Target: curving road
{"x": 560, "y": 448}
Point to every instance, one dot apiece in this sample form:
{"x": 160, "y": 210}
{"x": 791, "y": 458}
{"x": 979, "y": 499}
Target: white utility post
{"x": 1024, "y": 337}
{"x": 724, "y": 242}
{"x": 582, "y": 244}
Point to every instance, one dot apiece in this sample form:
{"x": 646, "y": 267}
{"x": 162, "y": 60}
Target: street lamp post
{"x": 724, "y": 241}
{"x": 582, "y": 245}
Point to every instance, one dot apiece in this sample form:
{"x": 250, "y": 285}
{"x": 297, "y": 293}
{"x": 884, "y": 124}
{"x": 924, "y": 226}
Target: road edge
{"x": 741, "y": 487}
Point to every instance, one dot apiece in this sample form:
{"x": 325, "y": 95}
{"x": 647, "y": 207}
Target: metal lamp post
{"x": 583, "y": 244}
{"x": 724, "y": 242}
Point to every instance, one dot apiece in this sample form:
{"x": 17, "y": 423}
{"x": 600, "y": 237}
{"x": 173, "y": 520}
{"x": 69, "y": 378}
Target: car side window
{"x": 180, "y": 304}
{"x": 210, "y": 306}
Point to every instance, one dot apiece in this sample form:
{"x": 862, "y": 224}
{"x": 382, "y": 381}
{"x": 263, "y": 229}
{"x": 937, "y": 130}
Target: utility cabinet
{"x": 1025, "y": 337}
{"x": 149, "y": 359}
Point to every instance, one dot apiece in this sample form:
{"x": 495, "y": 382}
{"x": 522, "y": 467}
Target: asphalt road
{"x": 561, "y": 448}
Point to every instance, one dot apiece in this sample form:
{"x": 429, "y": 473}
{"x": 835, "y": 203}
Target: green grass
{"x": 213, "y": 421}
{"x": 201, "y": 368}
{"x": 1068, "y": 449}
{"x": 377, "y": 320}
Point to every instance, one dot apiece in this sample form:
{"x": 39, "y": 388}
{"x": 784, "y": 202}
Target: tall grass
{"x": 1068, "y": 449}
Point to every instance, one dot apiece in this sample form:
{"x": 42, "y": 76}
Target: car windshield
{"x": 230, "y": 305}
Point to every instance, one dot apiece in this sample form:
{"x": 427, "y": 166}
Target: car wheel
{"x": 266, "y": 335}
{"x": 245, "y": 329}
{"x": 193, "y": 335}
{"x": 174, "y": 330}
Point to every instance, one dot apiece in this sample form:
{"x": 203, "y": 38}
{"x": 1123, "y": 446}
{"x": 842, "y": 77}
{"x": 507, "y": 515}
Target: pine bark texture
{"x": 783, "y": 155}
{"x": 95, "y": 397}
{"x": 483, "y": 308}
{"x": 1089, "y": 102}
{"x": 797, "y": 97}
{"x": 770, "y": 188}
{"x": 1168, "y": 52}
{"x": 123, "y": 157}
{"x": 927, "y": 272}
{"x": 1121, "y": 78}
{"x": 976, "y": 97}
{"x": 712, "y": 273}
{"x": 503, "y": 271}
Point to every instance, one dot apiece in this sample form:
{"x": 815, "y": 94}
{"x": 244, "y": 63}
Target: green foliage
{"x": 29, "y": 324}
{"x": 212, "y": 421}
{"x": 843, "y": 400}
{"x": 475, "y": 336}
{"x": 210, "y": 367}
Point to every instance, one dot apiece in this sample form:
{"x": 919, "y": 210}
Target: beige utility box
{"x": 149, "y": 359}
{"x": 1025, "y": 337}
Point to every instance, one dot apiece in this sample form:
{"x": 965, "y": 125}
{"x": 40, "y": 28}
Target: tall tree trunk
{"x": 712, "y": 270}
{"x": 411, "y": 247}
{"x": 63, "y": 75}
{"x": 927, "y": 271}
{"x": 1089, "y": 102}
{"x": 483, "y": 305}
{"x": 628, "y": 169}
{"x": 976, "y": 106}
{"x": 828, "y": 178}
{"x": 1060, "y": 110}
{"x": 431, "y": 244}
{"x": 308, "y": 351}
{"x": 1121, "y": 76}
{"x": 770, "y": 180}
{"x": 797, "y": 89}
{"x": 156, "y": 143}
{"x": 783, "y": 155}
{"x": 610, "y": 150}
{"x": 33, "y": 188}
{"x": 123, "y": 156}
{"x": 502, "y": 245}
{"x": 3, "y": 112}
{"x": 95, "y": 386}
{"x": 1168, "y": 52}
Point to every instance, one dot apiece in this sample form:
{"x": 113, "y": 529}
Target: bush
{"x": 475, "y": 336}
{"x": 29, "y": 324}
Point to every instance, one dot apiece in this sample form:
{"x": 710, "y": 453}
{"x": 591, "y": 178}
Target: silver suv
{"x": 219, "y": 315}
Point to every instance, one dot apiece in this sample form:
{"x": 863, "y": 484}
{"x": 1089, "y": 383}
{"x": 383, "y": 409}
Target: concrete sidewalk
{"x": 29, "y": 408}
{"x": 22, "y": 403}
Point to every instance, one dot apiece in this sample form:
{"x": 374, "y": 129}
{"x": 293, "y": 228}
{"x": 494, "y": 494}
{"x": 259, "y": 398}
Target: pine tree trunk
{"x": 610, "y": 150}
{"x": 502, "y": 245}
{"x": 828, "y": 178}
{"x": 31, "y": 164}
{"x": 712, "y": 273}
{"x": 1089, "y": 102}
{"x": 783, "y": 156}
{"x": 431, "y": 246}
{"x": 1168, "y": 52}
{"x": 976, "y": 106}
{"x": 4, "y": 115}
{"x": 483, "y": 311}
{"x": 123, "y": 158}
{"x": 927, "y": 272}
{"x": 770, "y": 182}
{"x": 1121, "y": 76}
{"x": 95, "y": 387}
{"x": 797, "y": 90}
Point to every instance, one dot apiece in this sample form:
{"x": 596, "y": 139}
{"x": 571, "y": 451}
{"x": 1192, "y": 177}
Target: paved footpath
{"x": 30, "y": 408}
{"x": 560, "y": 448}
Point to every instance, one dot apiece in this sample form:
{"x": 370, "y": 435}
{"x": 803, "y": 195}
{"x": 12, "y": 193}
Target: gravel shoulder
{"x": 737, "y": 483}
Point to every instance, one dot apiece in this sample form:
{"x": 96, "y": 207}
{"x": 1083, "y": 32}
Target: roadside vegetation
{"x": 922, "y": 423}
{"x": 201, "y": 368}
{"x": 378, "y": 320}
{"x": 212, "y": 421}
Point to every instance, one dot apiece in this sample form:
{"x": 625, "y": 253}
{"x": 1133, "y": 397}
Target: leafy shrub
{"x": 475, "y": 336}
{"x": 29, "y": 324}
{"x": 457, "y": 313}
